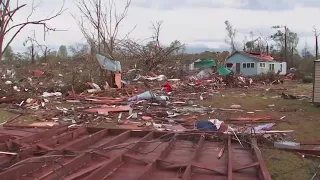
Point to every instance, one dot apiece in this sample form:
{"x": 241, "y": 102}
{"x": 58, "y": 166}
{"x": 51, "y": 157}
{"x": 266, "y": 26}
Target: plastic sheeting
{"x": 205, "y": 63}
{"x": 223, "y": 71}
{"x": 108, "y": 64}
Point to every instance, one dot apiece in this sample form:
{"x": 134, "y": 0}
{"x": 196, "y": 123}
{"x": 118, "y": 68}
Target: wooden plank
{"x": 153, "y": 165}
{"x": 263, "y": 171}
{"x": 82, "y": 159}
{"x": 115, "y": 162}
{"x": 187, "y": 173}
{"x": 230, "y": 171}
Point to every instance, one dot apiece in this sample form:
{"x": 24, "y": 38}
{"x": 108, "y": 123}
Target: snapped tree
{"x": 100, "y": 24}
{"x": 285, "y": 42}
{"x": 231, "y": 40}
{"x": 152, "y": 54}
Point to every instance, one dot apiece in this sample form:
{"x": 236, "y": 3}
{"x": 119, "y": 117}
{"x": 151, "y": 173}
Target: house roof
{"x": 256, "y": 56}
{"x": 63, "y": 152}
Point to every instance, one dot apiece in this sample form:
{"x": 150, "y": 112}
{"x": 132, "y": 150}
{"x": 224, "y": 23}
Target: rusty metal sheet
{"x": 97, "y": 153}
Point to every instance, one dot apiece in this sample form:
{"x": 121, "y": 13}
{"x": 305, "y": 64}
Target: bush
{"x": 270, "y": 76}
{"x": 307, "y": 79}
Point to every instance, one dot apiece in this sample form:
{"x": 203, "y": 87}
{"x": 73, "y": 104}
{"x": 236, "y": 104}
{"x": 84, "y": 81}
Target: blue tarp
{"x": 205, "y": 125}
{"x": 108, "y": 64}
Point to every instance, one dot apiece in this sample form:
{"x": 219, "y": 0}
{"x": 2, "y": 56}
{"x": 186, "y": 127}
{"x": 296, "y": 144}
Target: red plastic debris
{"x": 168, "y": 87}
{"x": 38, "y": 73}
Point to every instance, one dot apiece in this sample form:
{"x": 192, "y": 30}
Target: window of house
{"x": 271, "y": 67}
{"x": 248, "y": 65}
{"x": 281, "y": 67}
{"x": 262, "y": 65}
{"x": 229, "y": 65}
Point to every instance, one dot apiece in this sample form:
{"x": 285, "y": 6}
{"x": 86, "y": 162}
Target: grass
{"x": 5, "y": 115}
{"x": 300, "y": 115}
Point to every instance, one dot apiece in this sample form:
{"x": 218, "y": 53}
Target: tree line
{"x": 100, "y": 23}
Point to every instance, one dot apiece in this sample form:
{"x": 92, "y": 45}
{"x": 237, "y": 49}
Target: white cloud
{"x": 189, "y": 24}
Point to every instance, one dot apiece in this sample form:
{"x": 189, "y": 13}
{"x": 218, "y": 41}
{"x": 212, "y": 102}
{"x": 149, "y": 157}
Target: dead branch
{"x": 7, "y": 16}
{"x": 152, "y": 54}
{"x": 105, "y": 20}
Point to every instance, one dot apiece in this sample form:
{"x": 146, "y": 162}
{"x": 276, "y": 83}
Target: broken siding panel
{"x": 316, "y": 93}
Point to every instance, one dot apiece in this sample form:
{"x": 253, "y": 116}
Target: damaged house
{"x": 251, "y": 64}
{"x": 206, "y": 67}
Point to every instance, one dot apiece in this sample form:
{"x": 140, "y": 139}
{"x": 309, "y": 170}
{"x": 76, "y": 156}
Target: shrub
{"x": 269, "y": 76}
{"x": 307, "y": 79}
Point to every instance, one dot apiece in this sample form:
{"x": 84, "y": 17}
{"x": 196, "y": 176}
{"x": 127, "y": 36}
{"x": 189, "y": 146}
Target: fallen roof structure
{"x": 69, "y": 153}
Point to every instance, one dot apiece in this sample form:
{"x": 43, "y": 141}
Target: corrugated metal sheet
{"x": 95, "y": 153}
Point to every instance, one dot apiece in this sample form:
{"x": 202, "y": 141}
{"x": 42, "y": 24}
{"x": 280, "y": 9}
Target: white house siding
{"x": 316, "y": 88}
{"x": 277, "y": 67}
{"x": 191, "y": 66}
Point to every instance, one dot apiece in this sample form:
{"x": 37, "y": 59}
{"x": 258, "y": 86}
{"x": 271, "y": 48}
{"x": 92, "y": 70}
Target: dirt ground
{"x": 299, "y": 115}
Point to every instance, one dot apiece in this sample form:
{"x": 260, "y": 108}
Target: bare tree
{"x": 100, "y": 24}
{"x": 45, "y": 49}
{"x": 152, "y": 54}
{"x": 231, "y": 36}
{"x": 32, "y": 52}
{"x": 79, "y": 49}
{"x": 8, "y": 11}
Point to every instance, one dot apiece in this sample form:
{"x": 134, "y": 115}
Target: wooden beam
{"x": 115, "y": 140}
{"x": 115, "y": 162}
{"x": 210, "y": 168}
{"x": 150, "y": 167}
{"x": 83, "y": 158}
{"x": 246, "y": 167}
{"x": 26, "y": 168}
{"x": 85, "y": 141}
{"x": 187, "y": 173}
{"x": 263, "y": 170}
{"x": 43, "y": 135}
{"x": 230, "y": 175}
{"x": 84, "y": 172}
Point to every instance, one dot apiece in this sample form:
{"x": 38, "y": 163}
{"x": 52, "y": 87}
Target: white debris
{"x": 8, "y": 82}
{"x": 46, "y": 94}
{"x": 235, "y": 106}
{"x": 16, "y": 88}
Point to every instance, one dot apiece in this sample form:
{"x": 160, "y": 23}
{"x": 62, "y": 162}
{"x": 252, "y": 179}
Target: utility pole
{"x": 292, "y": 54}
{"x": 285, "y": 44}
{"x": 316, "y": 34}
{"x": 98, "y": 16}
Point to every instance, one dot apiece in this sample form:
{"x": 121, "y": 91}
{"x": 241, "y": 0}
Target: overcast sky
{"x": 194, "y": 22}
